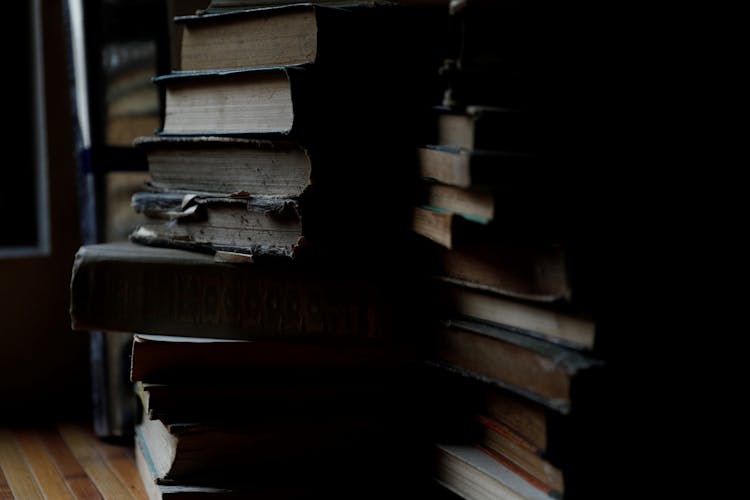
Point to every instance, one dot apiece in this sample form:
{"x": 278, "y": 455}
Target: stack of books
{"x": 266, "y": 288}
{"x": 242, "y": 417}
{"x": 516, "y": 334}
{"x": 310, "y": 110}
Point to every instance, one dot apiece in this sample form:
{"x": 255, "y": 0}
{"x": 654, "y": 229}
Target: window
{"x": 23, "y": 188}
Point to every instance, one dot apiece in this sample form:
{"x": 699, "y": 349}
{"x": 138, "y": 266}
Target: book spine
{"x": 219, "y": 300}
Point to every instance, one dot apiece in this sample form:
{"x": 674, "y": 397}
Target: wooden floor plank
{"x": 17, "y": 473}
{"x": 48, "y": 478}
{"x": 123, "y": 465}
{"x": 82, "y": 444}
{"x": 5, "y": 493}
{"x": 78, "y": 482}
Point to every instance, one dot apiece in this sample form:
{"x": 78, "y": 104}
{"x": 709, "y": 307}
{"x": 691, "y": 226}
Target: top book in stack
{"x": 260, "y": 37}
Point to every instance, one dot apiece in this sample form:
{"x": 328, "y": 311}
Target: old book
{"x": 134, "y": 288}
{"x": 290, "y": 101}
{"x": 527, "y": 437}
{"x": 445, "y": 228}
{"x": 228, "y": 5}
{"x": 467, "y": 168}
{"x": 272, "y": 393}
{"x": 530, "y": 421}
{"x": 170, "y": 359}
{"x": 309, "y": 226}
{"x": 255, "y": 452}
{"x": 558, "y": 323}
{"x": 462, "y": 399}
{"x": 226, "y": 165}
{"x": 534, "y": 271}
{"x": 542, "y": 371}
{"x": 265, "y": 390}
{"x": 232, "y": 102}
{"x": 256, "y": 225}
{"x": 471, "y": 473}
{"x": 218, "y": 6}
{"x": 487, "y": 128}
{"x": 147, "y": 471}
{"x": 277, "y": 35}
{"x": 457, "y": 230}
{"x": 503, "y": 441}
{"x": 275, "y": 166}
{"x": 473, "y": 203}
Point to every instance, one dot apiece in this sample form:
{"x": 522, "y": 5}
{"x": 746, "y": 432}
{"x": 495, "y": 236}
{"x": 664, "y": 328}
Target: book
{"x": 446, "y": 228}
{"x": 181, "y": 379}
{"x": 534, "y": 271}
{"x": 126, "y": 287}
{"x": 226, "y": 165}
{"x": 501, "y": 440}
{"x": 311, "y": 226}
{"x": 156, "y": 491}
{"x": 457, "y": 230}
{"x": 523, "y": 435}
{"x": 232, "y": 102}
{"x": 228, "y": 5}
{"x": 218, "y": 6}
{"x": 261, "y": 452}
{"x": 512, "y": 202}
{"x": 461, "y": 400}
{"x": 335, "y": 477}
{"x": 457, "y": 217}
{"x": 274, "y": 166}
{"x": 530, "y": 421}
{"x": 471, "y": 203}
{"x": 559, "y": 323}
{"x": 279, "y": 35}
{"x": 290, "y": 100}
{"x": 487, "y": 128}
{"x": 460, "y": 167}
{"x": 257, "y": 225}
{"x": 472, "y": 473}
{"x": 271, "y": 393}
{"x": 168, "y": 359}
{"x": 536, "y": 369}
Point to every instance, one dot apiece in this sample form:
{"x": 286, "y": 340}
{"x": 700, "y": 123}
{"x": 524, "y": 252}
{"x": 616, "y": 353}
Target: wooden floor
{"x": 65, "y": 461}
